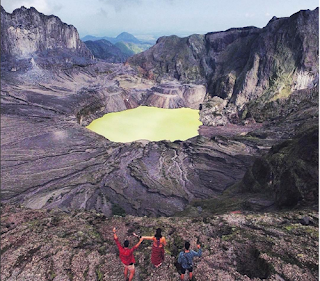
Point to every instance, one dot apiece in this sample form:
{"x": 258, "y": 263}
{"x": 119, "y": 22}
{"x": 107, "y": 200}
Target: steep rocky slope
{"x": 29, "y": 37}
{"x": 52, "y": 245}
{"x": 289, "y": 171}
{"x": 244, "y": 68}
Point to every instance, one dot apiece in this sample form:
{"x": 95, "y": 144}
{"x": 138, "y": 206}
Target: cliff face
{"x": 244, "y": 69}
{"x": 27, "y": 34}
{"x": 289, "y": 171}
{"x": 173, "y": 57}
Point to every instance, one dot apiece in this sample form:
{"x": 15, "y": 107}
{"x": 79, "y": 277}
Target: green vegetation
{"x": 51, "y": 275}
{"x": 125, "y": 49}
{"x": 99, "y": 274}
{"x": 130, "y": 48}
{"x": 117, "y": 210}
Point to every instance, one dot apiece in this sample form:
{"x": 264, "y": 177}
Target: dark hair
{"x": 126, "y": 243}
{"x": 158, "y": 233}
{"x": 187, "y": 245}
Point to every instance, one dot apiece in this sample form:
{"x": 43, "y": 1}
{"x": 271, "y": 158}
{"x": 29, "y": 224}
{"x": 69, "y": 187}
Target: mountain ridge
{"x": 234, "y": 74}
{"x": 124, "y": 36}
{"x": 125, "y": 42}
{"x": 39, "y": 44}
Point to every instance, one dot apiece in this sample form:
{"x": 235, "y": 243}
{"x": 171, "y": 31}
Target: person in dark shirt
{"x": 186, "y": 259}
{"x": 126, "y": 255}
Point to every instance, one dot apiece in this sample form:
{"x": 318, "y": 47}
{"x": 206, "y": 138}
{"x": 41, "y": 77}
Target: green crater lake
{"x": 148, "y": 123}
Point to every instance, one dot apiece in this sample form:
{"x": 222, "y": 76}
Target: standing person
{"x": 186, "y": 259}
{"x": 157, "y": 253}
{"x": 126, "y": 255}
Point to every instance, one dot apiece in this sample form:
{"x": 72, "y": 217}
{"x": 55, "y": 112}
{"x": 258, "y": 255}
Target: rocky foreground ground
{"x": 238, "y": 245}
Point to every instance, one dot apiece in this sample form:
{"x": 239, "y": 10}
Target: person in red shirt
{"x": 126, "y": 255}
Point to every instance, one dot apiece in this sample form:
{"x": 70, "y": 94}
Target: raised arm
{"x": 114, "y": 233}
{"x": 199, "y": 253}
{"x": 137, "y": 245}
{"x": 143, "y": 237}
{"x": 116, "y": 237}
{"x": 136, "y": 235}
{"x": 147, "y": 237}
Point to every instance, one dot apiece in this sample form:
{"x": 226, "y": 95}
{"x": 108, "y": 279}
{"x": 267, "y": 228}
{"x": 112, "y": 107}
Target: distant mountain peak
{"x": 124, "y": 34}
{"x": 127, "y": 37}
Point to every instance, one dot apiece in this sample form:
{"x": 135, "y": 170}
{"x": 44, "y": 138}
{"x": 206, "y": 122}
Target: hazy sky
{"x": 162, "y": 17}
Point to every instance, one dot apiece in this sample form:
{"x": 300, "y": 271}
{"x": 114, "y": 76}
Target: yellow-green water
{"x": 148, "y": 123}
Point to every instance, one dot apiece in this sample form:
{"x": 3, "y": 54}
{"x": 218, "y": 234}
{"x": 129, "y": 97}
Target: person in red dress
{"x": 157, "y": 253}
{"x": 126, "y": 255}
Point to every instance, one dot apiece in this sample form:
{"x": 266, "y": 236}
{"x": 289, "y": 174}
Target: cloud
{"x": 120, "y": 5}
{"x": 102, "y": 12}
{"x": 161, "y": 17}
{"x": 250, "y": 15}
{"x": 57, "y": 7}
{"x": 42, "y": 6}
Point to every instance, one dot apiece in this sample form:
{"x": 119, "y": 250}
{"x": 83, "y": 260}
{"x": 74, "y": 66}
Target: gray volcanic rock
{"x": 27, "y": 34}
{"x": 243, "y": 68}
{"x": 289, "y": 171}
{"x": 173, "y": 57}
{"x": 174, "y": 95}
